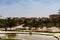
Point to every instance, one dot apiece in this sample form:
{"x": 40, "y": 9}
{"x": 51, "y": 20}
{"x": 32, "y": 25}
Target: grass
{"x": 8, "y": 39}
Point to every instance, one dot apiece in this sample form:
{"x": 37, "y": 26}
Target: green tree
{"x": 47, "y": 23}
{"x": 27, "y": 23}
{"x": 11, "y": 22}
{"x": 35, "y": 24}
{"x": 40, "y": 23}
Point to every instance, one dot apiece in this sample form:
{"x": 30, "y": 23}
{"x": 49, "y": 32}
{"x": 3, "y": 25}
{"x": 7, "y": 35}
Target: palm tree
{"x": 58, "y": 22}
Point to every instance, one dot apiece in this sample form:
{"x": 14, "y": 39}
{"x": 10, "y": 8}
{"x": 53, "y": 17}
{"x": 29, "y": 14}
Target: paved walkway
{"x": 33, "y": 33}
{"x": 4, "y": 32}
{"x": 57, "y": 35}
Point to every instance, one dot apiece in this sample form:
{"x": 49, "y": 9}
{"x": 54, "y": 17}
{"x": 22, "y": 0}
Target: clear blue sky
{"x": 28, "y": 8}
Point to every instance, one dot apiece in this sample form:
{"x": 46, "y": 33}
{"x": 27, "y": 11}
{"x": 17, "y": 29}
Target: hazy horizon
{"x": 28, "y": 8}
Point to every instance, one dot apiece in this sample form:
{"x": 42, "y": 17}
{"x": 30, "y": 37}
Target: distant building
{"x": 53, "y": 16}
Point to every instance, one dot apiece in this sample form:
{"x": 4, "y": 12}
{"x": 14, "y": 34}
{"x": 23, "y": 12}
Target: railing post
{"x": 57, "y": 37}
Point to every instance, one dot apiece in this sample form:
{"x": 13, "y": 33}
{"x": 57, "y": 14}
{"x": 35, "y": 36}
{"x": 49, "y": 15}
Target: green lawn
{"x": 9, "y": 39}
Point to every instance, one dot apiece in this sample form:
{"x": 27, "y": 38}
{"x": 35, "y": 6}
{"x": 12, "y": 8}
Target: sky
{"x": 29, "y": 8}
